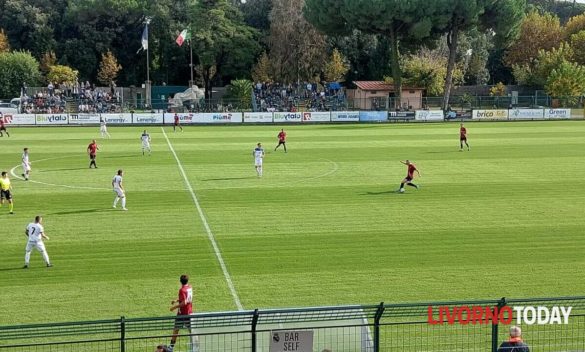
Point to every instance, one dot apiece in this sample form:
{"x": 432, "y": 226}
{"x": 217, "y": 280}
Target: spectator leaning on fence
{"x": 515, "y": 343}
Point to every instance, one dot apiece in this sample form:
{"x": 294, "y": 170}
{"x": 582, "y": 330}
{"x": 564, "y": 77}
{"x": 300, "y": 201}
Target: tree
{"x": 47, "y": 60}
{"x": 59, "y": 74}
{"x": 297, "y": 50}
{"x": 337, "y": 67}
{"x": 223, "y": 42}
{"x": 499, "y": 90}
{"x": 537, "y": 32}
{"x": 401, "y": 22}
{"x": 4, "y": 44}
{"x": 575, "y": 25}
{"x": 241, "y": 91}
{"x": 16, "y": 68}
{"x": 465, "y": 15}
{"x": 577, "y": 43}
{"x": 262, "y": 70}
{"x": 109, "y": 68}
{"x": 538, "y": 74}
{"x": 566, "y": 81}
{"x": 428, "y": 69}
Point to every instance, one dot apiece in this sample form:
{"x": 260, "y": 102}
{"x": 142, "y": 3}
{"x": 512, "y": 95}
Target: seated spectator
{"x": 515, "y": 343}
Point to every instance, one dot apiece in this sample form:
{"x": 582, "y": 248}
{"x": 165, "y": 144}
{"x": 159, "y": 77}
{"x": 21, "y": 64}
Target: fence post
{"x": 495, "y": 327}
{"x": 254, "y": 324}
{"x": 377, "y": 318}
{"x": 122, "y": 334}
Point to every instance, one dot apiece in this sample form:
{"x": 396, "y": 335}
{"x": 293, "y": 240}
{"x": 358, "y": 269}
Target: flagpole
{"x": 148, "y": 83}
{"x": 191, "y": 63}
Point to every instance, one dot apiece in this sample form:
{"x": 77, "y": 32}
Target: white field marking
{"x": 52, "y": 184}
{"x": 210, "y": 235}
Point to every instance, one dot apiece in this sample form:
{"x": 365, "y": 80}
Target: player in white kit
{"x": 145, "y": 142}
{"x": 258, "y": 158}
{"x": 36, "y": 233}
{"x": 25, "y": 164}
{"x": 104, "y": 128}
{"x": 119, "y": 189}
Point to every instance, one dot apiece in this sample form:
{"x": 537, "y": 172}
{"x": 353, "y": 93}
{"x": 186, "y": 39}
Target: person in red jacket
{"x": 281, "y": 140}
{"x": 92, "y": 149}
{"x": 409, "y": 176}
{"x": 3, "y": 127}
{"x": 177, "y": 123}
{"x": 463, "y": 138}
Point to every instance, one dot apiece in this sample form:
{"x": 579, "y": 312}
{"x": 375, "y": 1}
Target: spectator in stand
{"x": 51, "y": 88}
{"x": 515, "y": 343}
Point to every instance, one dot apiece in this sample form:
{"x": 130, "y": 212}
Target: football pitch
{"x": 323, "y": 226}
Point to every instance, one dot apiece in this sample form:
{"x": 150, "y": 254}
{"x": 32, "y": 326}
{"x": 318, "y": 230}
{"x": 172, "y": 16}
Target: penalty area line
{"x": 210, "y": 235}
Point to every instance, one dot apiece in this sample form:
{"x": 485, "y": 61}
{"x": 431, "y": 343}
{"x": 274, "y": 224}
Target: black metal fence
{"x": 368, "y": 328}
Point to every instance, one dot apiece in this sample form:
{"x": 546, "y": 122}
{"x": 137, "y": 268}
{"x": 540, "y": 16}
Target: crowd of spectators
{"x": 85, "y": 96}
{"x": 290, "y": 97}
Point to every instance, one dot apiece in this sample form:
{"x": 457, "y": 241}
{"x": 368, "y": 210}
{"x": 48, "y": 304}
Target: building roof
{"x": 374, "y": 85}
{"x": 379, "y": 86}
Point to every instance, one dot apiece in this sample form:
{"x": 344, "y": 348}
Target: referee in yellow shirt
{"x": 5, "y": 189}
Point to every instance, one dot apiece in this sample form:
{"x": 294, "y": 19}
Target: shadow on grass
{"x": 85, "y": 211}
{"x": 12, "y": 269}
{"x": 229, "y": 178}
{"x": 71, "y": 169}
{"x": 379, "y": 193}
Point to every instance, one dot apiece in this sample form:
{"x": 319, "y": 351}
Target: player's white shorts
{"x": 258, "y": 162}
{"x": 103, "y": 129}
{"x": 39, "y": 245}
{"x": 119, "y": 192}
{"x": 26, "y": 166}
{"x": 145, "y": 145}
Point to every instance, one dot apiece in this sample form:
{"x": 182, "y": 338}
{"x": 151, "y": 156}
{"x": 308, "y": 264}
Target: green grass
{"x": 322, "y": 227}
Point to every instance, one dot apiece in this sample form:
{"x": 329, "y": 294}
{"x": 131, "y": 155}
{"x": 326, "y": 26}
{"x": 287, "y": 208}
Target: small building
{"x": 379, "y": 95}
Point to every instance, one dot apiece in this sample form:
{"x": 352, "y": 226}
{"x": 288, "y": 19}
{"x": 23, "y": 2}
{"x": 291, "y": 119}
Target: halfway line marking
{"x": 210, "y": 235}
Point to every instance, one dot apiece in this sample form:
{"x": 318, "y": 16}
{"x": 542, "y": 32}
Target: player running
{"x": 25, "y": 164}
{"x": 104, "y": 128}
{"x": 177, "y": 123}
{"x": 463, "y": 138}
{"x": 6, "y": 191}
{"x": 36, "y": 233}
{"x": 145, "y": 142}
{"x": 409, "y": 176}
{"x": 92, "y": 149}
{"x": 258, "y": 158}
{"x": 281, "y": 140}
{"x": 119, "y": 190}
{"x": 3, "y": 127}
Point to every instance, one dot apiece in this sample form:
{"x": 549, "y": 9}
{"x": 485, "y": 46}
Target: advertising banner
{"x": 526, "y": 114}
{"x": 501, "y": 114}
{"x": 51, "y": 119}
{"x": 289, "y": 117}
{"x": 84, "y": 119}
{"x": 117, "y": 119}
{"x": 401, "y": 115}
{"x": 429, "y": 115}
{"x": 324, "y": 116}
{"x": 143, "y": 119}
{"x": 557, "y": 113}
{"x": 345, "y": 116}
{"x": 219, "y": 117}
{"x": 19, "y": 119}
{"x": 373, "y": 116}
{"x": 257, "y": 117}
{"x": 291, "y": 340}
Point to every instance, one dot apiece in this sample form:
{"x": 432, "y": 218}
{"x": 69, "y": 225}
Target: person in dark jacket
{"x": 515, "y": 343}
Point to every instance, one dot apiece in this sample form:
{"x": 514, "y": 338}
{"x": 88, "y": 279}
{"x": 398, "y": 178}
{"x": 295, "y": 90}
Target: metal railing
{"x": 367, "y": 328}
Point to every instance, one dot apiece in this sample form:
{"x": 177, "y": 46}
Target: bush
{"x": 17, "y": 68}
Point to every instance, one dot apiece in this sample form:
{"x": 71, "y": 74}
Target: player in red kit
{"x": 3, "y": 127}
{"x": 184, "y": 307}
{"x": 281, "y": 140}
{"x": 463, "y": 138}
{"x": 177, "y": 123}
{"x": 409, "y": 176}
{"x": 92, "y": 149}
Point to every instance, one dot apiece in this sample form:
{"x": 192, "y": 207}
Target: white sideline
{"x": 210, "y": 235}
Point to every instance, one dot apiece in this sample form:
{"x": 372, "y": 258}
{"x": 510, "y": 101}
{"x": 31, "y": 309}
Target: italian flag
{"x": 185, "y": 35}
